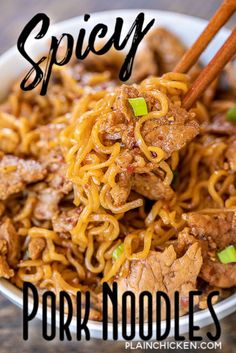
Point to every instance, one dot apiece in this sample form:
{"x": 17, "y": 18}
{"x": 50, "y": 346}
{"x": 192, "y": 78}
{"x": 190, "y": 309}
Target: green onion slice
{"x": 228, "y": 255}
{"x": 231, "y": 114}
{"x": 139, "y": 106}
{"x": 118, "y": 251}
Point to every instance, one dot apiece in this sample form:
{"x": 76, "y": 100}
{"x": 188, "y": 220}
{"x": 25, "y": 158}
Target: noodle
{"x": 86, "y": 136}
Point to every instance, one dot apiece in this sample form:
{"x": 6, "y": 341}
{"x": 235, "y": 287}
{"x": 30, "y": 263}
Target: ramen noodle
{"x": 92, "y": 192}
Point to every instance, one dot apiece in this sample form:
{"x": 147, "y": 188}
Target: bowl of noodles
{"x": 103, "y": 181}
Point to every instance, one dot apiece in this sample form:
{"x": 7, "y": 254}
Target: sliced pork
{"x": 163, "y": 272}
{"x": 16, "y": 173}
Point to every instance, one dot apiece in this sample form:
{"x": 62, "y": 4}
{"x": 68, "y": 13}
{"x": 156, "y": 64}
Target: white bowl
{"x": 12, "y": 65}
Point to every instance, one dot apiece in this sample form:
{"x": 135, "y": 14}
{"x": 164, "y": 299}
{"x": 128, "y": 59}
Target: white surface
{"x": 12, "y": 64}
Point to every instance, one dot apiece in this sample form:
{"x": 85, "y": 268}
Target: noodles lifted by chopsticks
{"x": 93, "y": 168}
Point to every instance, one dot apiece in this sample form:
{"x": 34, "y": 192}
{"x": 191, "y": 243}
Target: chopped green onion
{"x": 118, "y": 251}
{"x": 227, "y": 255}
{"x": 139, "y": 106}
{"x": 231, "y": 114}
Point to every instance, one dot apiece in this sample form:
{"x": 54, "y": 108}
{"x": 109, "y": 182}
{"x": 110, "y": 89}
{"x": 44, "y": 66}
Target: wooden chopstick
{"x": 221, "y": 16}
{"x": 211, "y": 71}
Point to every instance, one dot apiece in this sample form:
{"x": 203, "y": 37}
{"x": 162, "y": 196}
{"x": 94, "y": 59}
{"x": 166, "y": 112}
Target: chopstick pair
{"x": 222, "y": 57}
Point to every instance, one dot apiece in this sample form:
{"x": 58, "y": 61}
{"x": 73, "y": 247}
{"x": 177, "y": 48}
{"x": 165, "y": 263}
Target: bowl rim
{"x": 14, "y": 294}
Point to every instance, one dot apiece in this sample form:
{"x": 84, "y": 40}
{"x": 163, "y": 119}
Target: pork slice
{"x": 214, "y": 233}
{"x": 12, "y": 241}
{"x": 220, "y": 125}
{"x": 57, "y": 176}
{"x": 48, "y": 135}
{"x": 58, "y": 184}
{"x": 47, "y": 204}
{"x": 167, "y": 48}
{"x": 163, "y": 272}
{"x": 47, "y": 145}
{"x": 35, "y": 247}
{"x": 116, "y": 126}
{"x": 151, "y": 186}
{"x": 145, "y": 63}
{"x": 220, "y": 227}
{"x": 218, "y": 274}
{"x": 170, "y": 133}
{"x": 15, "y": 173}
{"x": 51, "y": 157}
{"x": 66, "y": 220}
{"x": 113, "y": 126}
